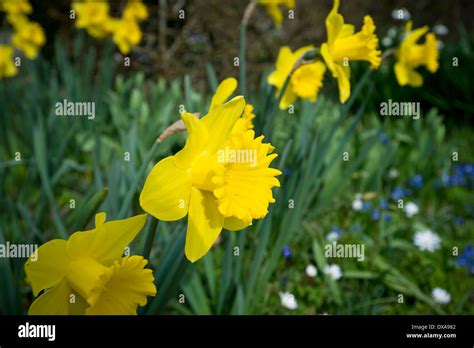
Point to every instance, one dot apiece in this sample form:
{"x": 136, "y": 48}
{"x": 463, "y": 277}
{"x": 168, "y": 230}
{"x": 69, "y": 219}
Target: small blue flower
{"x": 384, "y": 203}
{"x": 458, "y": 220}
{"x": 286, "y": 252}
{"x": 469, "y": 169}
{"x": 384, "y": 138}
{"x": 398, "y": 193}
{"x": 366, "y": 206}
{"x": 416, "y": 181}
{"x": 375, "y": 216}
{"x": 336, "y": 229}
{"x": 387, "y": 217}
{"x": 467, "y": 259}
{"x": 287, "y": 172}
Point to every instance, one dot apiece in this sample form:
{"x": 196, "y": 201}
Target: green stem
{"x": 242, "y": 59}
{"x": 150, "y": 237}
{"x": 243, "y": 46}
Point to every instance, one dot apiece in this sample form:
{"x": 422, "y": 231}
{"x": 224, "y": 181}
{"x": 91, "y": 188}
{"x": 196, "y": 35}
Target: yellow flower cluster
{"x": 94, "y": 17}
{"x": 343, "y": 46}
{"x": 28, "y": 37}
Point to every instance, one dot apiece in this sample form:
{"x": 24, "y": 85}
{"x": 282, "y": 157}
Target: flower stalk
{"x": 243, "y": 46}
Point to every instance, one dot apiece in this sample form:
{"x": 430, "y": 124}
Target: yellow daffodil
{"x": 17, "y": 20}
{"x": 411, "y": 55}
{"x": 87, "y": 274}
{"x": 273, "y": 9}
{"x": 126, "y": 34}
{"x": 15, "y": 7}
{"x": 94, "y": 17}
{"x": 29, "y": 37}
{"x": 305, "y": 82}
{"x": 7, "y": 66}
{"x": 135, "y": 10}
{"x": 220, "y": 179}
{"x": 343, "y": 46}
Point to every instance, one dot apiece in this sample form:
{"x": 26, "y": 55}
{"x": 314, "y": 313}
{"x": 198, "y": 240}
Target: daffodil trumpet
{"x": 298, "y": 74}
{"x": 308, "y": 57}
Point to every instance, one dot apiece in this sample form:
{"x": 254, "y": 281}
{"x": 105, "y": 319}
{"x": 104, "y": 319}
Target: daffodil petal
{"x": 334, "y": 24}
{"x": 343, "y": 81}
{"x": 220, "y": 121}
{"x": 235, "y": 224}
{"x": 197, "y": 138}
{"x": 107, "y": 242}
{"x": 54, "y": 301}
{"x": 224, "y": 91}
{"x": 166, "y": 192}
{"x": 50, "y": 266}
{"x": 414, "y": 78}
{"x": 114, "y": 236}
{"x": 413, "y": 36}
{"x": 328, "y": 59}
{"x": 288, "y": 98}
{"x": 401, "y": 73}
{"x": 205, "y": 222}
{"x": 274, "y": 12}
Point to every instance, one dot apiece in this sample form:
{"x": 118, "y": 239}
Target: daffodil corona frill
{"x": 411, "y": 55}
{"x": 343, "y": 46}
{"x": 87, "y": 274}
{"x": 220, "y": 179}
{"x": 305, "y": 82}
{"x": 273, "y": 9}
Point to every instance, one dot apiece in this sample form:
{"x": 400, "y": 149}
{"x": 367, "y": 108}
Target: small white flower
{"x": 357, "y": 204}
{"x": 311, "y": 271}
{"x": 441, "y": 296}
{"x": 333, "y": 271}
{"x": 333, "y": 236}
{"x": 393, "y": 173}
{"x": 411, "y": 209}
{"x": 440, "y": 29}
{"x": 288, "y": 300}
{"x": 392, "y": 32}
{"x": 401, "y": 14}
{"x": 387, "y": 41}
{"x": 427, "y": 240}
